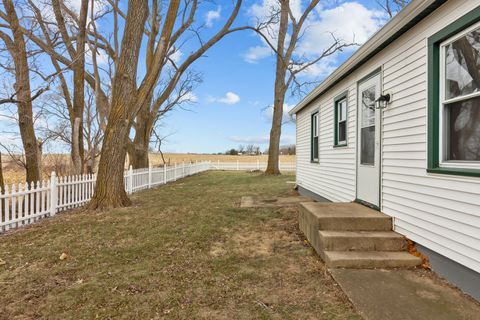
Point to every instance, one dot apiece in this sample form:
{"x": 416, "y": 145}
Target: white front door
{"x": 368, "y": 154}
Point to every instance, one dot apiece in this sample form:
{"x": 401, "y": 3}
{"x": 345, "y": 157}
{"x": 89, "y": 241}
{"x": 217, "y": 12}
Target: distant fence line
{"x": 24, "y": 203}
{"x": 238, "y": 165}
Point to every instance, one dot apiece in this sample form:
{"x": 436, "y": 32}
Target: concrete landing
{"x": 268, "y": 202}
{"x": 404, "y": 295}
{"x": 349, "y": 235}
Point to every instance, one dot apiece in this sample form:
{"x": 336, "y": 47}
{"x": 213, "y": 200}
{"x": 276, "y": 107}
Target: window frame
{"x": 436, "y": 98}
{"x": 336, "y": 126}
{"x": 444, "y": 102}
{"x": 314, "y": 116}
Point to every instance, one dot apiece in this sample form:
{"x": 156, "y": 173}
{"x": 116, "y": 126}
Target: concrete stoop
{"x": 349, "y": 235}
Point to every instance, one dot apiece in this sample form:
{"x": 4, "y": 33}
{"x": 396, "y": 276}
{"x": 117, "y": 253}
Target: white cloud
{"x": 211, "y": 16}
{"x": 11, "y": 141}
{"x": 262, "y": 139}
{"x": 176, "y": 56}
{"x": 268, "y": 113}
{"x": 256, "y": 53}
{"x": 263, "y": 10}
{"x": 349, "y": 22}
{"x": 358, "y": 23}
{"x": 9, "y": 119}
{"x": 190, "y": 97}
{"x": 251, "y": 139}
{"x": 229, "y": 98}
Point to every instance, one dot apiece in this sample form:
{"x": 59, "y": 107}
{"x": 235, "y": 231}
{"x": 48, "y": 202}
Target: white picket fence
{"x": 249, "y": 166}
{"x": 25, "y": 203}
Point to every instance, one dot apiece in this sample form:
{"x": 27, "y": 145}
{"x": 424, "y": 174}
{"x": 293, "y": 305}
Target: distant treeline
{"x": 254, "y": 150}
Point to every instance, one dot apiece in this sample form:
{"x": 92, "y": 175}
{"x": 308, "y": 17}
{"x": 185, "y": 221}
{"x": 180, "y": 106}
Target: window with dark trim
{"x": 314, "y": 138}
{"x": 340, "y": 118}
{"x": 454, "y": 98}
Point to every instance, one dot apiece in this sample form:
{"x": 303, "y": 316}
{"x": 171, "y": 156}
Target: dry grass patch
{"x": 182, "y": 251}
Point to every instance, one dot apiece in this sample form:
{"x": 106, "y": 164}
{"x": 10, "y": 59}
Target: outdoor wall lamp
{"x": 383, "y": 101}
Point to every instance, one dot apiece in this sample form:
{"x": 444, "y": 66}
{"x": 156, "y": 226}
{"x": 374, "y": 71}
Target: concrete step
{"x": 361, "y": 241}
{"x": 370, "y": 259}
{"x": 346, "y": 217}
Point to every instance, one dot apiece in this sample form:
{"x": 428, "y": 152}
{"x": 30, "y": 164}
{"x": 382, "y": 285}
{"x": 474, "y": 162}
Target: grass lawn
{"x": 182, "y": 251}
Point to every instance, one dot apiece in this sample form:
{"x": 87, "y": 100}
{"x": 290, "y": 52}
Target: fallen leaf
{"x": 2, "y": 262}
{"x": 63, "y": 256}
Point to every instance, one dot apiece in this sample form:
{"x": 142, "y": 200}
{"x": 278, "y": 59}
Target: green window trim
{"x": 433, "y": 161}
{"x": 336, "y": 100}
{"x": 314, "y": 158}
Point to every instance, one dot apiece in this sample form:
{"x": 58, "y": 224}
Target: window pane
{"x": 343, "y": 110}
{"x": 367, "y": 154}
{"x": 463, "y": 130}
{"x": 342, "y": 131}
{"x": 315, "y": 148}
{"x": 462, "y": 65}
{"x": 368, "y": 107}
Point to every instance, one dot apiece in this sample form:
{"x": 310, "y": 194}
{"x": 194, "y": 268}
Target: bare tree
{"x": 128, "y": 99}
{"x": 58, "y": 127}
{"x": 63, "y": 37}
{"x": 110, "y": 191}
{"x": 156, "y": 109}
{"x": 288, "y": 31}
{"x": 391, "y": 7}
{"x": 252, "y": 149}
{"x": 23, "y": 96}
{"x": 149, "y": 111}
{"x": 77, "y": 55}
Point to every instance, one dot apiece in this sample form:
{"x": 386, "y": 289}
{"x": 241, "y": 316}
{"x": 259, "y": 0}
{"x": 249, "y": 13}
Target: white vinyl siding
{"x": 440, "y": 212}
{"x": 334, "y": 176}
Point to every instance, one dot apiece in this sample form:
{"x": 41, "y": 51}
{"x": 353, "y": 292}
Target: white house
{"x": 416, "y": 157}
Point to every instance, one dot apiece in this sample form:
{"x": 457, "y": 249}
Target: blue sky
{"x": 232, "y": 104}
{"x": 213, "y": 126}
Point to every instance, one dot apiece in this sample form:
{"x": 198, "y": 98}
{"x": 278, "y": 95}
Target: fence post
{"x": 165, "y": 173}
{"x": 53, "y": 194}
{"x": 130, "y": 180}
{"x": 149, "y": 176}
{"x": 218, "y": 164}
{"x": 175, "y": 172}
{"x": 183, "y": 169}
{"x": 237, "y": 166}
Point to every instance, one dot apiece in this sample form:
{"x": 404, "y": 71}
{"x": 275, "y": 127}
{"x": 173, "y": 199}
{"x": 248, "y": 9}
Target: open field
{"x": 183, "y": 251}
{"x": 14, "y": 173}
{"x": 179, "y": 157}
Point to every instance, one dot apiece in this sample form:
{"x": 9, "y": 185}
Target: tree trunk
{"x": 138, "y": 149}
{"x": 276, "y": 130}
{"x": 77, "y": 151}
{"x": 138, "y": 155}
{"x": 279, "y": 93}
{"x": 110, "y": 189}
{"x": 18, "y": 52}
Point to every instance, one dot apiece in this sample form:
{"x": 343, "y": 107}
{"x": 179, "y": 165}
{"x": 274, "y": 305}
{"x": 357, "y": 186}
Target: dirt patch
{"x": 268, "y": 202}
{"x": 252, "y": 243}
{"x": 217, "y": 249}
